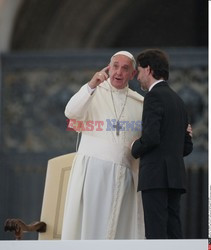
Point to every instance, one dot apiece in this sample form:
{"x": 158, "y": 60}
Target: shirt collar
{"x": 154, "y": 84}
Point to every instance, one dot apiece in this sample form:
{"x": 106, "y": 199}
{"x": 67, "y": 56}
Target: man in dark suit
{"x": 161, "y": 148}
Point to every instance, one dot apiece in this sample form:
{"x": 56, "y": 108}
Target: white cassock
{"x": 102, "y": 200}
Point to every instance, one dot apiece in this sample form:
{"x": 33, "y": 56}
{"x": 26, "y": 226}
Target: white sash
{"x": 108, "y": 151}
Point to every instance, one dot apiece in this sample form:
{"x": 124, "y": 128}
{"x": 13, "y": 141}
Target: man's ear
{"x": 149, "y": 70}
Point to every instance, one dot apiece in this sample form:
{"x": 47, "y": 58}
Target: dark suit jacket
{"x": 164, "y": 140}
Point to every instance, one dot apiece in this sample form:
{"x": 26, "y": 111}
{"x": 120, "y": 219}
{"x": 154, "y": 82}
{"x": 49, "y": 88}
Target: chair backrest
{"x": 56, "y": 181}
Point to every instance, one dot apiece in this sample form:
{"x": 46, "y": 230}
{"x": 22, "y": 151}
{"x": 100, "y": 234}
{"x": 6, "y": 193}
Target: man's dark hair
{"x": 157, "y": 61}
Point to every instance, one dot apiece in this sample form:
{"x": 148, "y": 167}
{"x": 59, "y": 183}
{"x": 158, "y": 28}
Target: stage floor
{"x": 106, "y": 245}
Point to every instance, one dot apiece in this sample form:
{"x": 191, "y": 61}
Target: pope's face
{"x": 121, "y": 71}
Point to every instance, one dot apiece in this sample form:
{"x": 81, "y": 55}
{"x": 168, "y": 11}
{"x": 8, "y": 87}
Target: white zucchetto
{"x": 128, "y": 54}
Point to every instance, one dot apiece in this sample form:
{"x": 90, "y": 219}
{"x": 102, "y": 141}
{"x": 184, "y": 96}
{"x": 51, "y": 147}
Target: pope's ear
{"x": 134, "y": 73}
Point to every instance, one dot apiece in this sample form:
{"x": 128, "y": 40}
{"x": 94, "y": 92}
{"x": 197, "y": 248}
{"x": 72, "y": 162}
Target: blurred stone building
{"x": 50, "y": 48}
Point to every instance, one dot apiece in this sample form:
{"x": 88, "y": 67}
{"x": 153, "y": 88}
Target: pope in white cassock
{"x": 102, "y": 200}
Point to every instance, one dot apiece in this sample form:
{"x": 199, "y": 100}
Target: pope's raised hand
{"x": 99, "y": 77}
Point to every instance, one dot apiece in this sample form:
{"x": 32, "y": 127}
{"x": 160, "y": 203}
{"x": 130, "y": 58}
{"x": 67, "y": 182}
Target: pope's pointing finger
{"x": 106, "y": 69}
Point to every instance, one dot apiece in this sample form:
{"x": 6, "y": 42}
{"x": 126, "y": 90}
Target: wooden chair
{"x": 56, "y": 181}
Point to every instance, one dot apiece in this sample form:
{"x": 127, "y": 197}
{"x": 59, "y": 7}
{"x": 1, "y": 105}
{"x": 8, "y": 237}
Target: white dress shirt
{"x": 155, "y": 84}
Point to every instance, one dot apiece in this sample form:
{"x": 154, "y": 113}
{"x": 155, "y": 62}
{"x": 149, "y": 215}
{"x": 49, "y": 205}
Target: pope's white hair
{"x": 128, "y": 54}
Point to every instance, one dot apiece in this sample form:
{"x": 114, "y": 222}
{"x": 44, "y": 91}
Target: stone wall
{"x": 53, "y": 24}
{"x": 34, "y": 98}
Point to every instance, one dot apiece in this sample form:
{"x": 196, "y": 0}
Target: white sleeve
{"x": 91, "y": 91}
{"x": 78, "y": 105}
